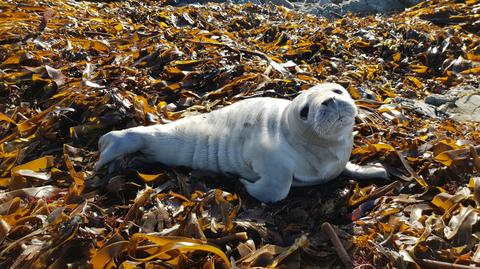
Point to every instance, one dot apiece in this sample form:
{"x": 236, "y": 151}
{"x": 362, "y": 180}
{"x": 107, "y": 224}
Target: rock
{"x": 418, "y": 106}
{"x": 331, "y": 8}
{"x": 462, "y": 103}
{"x": 467, "y": 108}
{"x": 284, "y": 3}
{"x": 324, "y": 8}
{"x": 438, "y": 99}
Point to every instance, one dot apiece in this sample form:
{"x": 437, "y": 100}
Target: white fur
{"x": 263, "y": 140}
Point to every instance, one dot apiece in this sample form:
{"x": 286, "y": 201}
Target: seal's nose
{"x": 329, "y": 102}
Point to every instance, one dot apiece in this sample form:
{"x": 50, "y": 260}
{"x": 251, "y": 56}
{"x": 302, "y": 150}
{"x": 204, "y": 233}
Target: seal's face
{"x": 325, "y": 110}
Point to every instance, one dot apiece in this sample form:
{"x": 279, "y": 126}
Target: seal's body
{"x": 270, "y": 143}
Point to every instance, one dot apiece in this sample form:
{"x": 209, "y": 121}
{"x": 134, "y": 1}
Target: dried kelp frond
{"x": 70, "y": 71}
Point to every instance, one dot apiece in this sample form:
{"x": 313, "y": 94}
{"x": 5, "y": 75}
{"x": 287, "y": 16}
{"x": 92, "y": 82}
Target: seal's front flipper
{"x": 264, "y": 191}
{"x": 366, "y": 171}
{"x": 272, "y": 186}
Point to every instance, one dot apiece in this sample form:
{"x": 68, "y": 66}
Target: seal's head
{"x": 325, "y": 111}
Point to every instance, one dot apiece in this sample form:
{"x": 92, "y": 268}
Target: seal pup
{"x": 270, "y": 143}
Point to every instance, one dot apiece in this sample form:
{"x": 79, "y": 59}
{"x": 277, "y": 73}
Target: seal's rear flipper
{"x": 116, "y": 145}
{"x": 365, "y": 172}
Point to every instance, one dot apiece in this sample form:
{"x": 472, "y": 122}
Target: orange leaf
{"x": 14, "y": 59}
{"x": 473, "y": 57}
{"x": 471, "y": 71}
{"x": 397, "y": 56}
{"x": 4, "y": 117}
{"x": 417, "y": 82}
{"x": 105, "y": 255}
{"x": 35, "y": 165}
{"x": 118, "y": 27}
{"x": 380, "y": 147}
{"x": 168, "y": 243}
{"x": 418, "y": 68}
{"x": 149, "y": 178}
{"x": 99, "y": 46}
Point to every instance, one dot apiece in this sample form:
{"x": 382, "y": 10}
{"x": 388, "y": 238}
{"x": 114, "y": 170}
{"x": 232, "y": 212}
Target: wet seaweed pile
{"x": 70, "y": 71}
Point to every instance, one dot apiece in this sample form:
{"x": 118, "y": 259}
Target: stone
{"x": 359, "y": 7}
{"x": 438, "y": 99}
{"x": 461, "y": 103}
{"x": 323, "y": 8}
{"x": 467, "y": 108}
{"x": 418, "y": 106}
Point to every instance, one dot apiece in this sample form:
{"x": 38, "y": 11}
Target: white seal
{"x": 270, "y": 143}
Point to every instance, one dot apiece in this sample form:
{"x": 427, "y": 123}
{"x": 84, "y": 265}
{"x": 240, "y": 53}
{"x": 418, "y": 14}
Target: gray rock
{"x": 324, "y": 8}
{"x": 467, "y": 108}
{"x": 359, "y": 7}
{"x": 418, "y": 106}
{"x": 462, "y": 103}
{"x": 438, "y": 99}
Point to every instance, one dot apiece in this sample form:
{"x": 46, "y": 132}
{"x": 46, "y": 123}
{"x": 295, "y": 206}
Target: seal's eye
{"x": 337, "y": 91}
{"x": 304, "y": 113}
